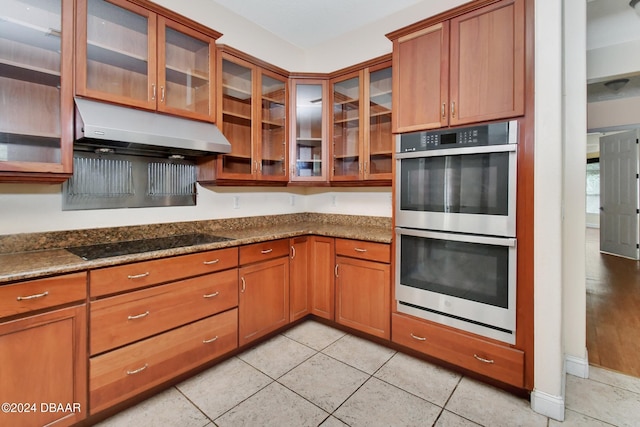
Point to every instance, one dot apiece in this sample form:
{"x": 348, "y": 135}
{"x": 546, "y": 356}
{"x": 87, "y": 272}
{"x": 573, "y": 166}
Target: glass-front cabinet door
{"x": 346, "y": 118}
{"x": 116, "y": 52}
{"x": 36, "y": 90}
{"x": 236, "y": 118}
{"x": 273, "y": 131}
{"x": 308, "y": 147}
{"x": 378, "y": 153}
{"x": 186, "y": 59}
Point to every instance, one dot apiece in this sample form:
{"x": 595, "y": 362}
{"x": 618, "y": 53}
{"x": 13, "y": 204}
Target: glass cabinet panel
{"x": 380, "y": 136}
{"x": 346, "y": 128}
{"x": 274, "y": 131}
{"x": 118, "y": 54}
{"x": 308, "y": 147}
{"x": 32, "y": 93}
{"x": 185, "y": 77}
{"x": 237, "y": 108}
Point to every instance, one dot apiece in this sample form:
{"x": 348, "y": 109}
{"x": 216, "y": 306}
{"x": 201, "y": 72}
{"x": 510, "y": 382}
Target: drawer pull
{"x": 359, "y": 250}
{"x": 138, "y": 316}
{"x": 138, "y": 276}
{"x": 335, "y": 270}
{"x": 483, "y": 360}
{"x": 211, "y": 340}
{"x": 293, "y": 252}
{"x": 266, "y": 251}
{"x": 213, "y": 261}
{"x": 215, "y": 294}
{"x": 135, "y": 371}
{"x": 35, "y": 296}
{"x": 244, "y": 285}
{"x": 415, "y": 337}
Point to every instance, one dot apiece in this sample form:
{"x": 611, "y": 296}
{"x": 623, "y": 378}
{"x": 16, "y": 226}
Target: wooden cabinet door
{"x": 421, "y": 79}
{"x": 186, "y": 66}
{"x": 264, "y": 298}
{"x": 271, "y": 143}
{"x": 44, "y": 360}
{"x": 487, "y": 63}
{"x": 378, "y": 146}
{"x": 346, "y": 96}
{"x": 299, "y": 292}
{"x": 321, "y": 276}
{"x": 116, "y": 52}
{"x": 363, "y": 296}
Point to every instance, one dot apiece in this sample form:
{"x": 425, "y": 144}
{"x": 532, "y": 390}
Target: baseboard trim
{"x": 576, "y": 366}
{"x": 548, "y": 405}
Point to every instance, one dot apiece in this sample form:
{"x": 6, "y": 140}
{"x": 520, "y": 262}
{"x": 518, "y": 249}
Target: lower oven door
{"x": 464, "y": 281}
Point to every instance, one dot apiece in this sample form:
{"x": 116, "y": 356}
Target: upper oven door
{"x": 465, "y": 190}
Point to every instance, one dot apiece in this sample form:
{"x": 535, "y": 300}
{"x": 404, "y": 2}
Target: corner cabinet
{"x": 252, "y": 115}
{"x": 36, "y": 82}
{"x": 464, "y": 70}
{"x": 131, "y": 55}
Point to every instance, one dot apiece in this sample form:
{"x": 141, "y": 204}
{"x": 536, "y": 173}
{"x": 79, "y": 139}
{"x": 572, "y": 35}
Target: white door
{"x": 619, "y": 194}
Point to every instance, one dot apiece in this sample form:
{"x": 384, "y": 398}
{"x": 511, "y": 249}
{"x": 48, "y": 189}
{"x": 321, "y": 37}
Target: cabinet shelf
{"x": 350, "y": 121}
{"x": 236, "y": 92}
{"x": 237, "y": 115}
{"x": 193, "y": 79}
{"x": 30, "y": 34}
{"x": 29, "y": 73}
{"x": 272, "y": 124}
{"x": 116, "y": 57}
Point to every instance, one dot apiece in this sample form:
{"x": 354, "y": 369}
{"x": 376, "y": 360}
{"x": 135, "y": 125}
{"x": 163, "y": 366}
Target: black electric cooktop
{"x": 105, "y": 250}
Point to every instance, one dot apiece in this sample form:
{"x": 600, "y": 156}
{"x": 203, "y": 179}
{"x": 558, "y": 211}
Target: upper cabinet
{"x": 362, "y": 143}
{"x": 252, "y": 115}
{"x": 464, "y": 70}
{"x": 130, "y": 55}
{"x": 36, "y": 90}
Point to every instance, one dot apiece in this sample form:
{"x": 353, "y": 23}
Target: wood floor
{"x": 613, "y": 309}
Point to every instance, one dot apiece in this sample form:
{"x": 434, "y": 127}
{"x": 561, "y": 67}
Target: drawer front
{"x": 264, "y": 251}
{"x": 499, "y": 362}
{"x": 123, "y": 319}
{"x": 371, "y": 251}
{"x": 111, "y": 280}
{"x": 123, "y": 373}
{"x": 42, "y": 293}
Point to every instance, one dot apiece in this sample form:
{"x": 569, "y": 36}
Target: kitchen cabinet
{"x": 309, "y": 132}
{"x": 363, "y": 286}
{"x": 132, "y": 55}
{"x": 264, "y": 289}
{"x": 299, "y": 292}
{"x": 362, "y": 143}
{"x": 463, "y": 70}
{"x": 252, "y": 114}
{"x": 43, "y": 353}
{"x": 322, "y": 255}
{"x": 36, "y": 84}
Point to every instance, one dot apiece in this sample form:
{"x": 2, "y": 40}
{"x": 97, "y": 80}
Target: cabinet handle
{"x": 293, "y": 252}
{"x": 213, "y": 261}
{"x": 135, "y": 371}
{"x": 35, "y": 296}
{"x": 138, "y": 316}
{"x": 366, "y": 166}
{"x": 482, "y": 359}
{"x": 138, "y": 276}
{"x": 215, "y": 294}
{"x": 443, "y": 110}
{"x": 153, "y": 91}
{"x": 453, "y": 109}
{"x": 266, "y": 251}
{"x": 415, "y": 337}
{"x": 161, "y": 93}
{"x": 211, "y": 340}
{"x": 359, "y": 250}
{"x": 336, "y": 270}
{"x": 244, "y": 285}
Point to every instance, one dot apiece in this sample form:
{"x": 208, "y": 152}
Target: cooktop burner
{"x": 105, "y": 250}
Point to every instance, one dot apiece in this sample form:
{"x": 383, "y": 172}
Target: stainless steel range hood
{"x": 136, "y": 132}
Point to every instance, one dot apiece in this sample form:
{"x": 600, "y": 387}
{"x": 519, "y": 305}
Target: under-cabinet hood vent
{"x": 136, "y": 132}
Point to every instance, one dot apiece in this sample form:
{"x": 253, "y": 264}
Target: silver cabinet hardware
{"x": 161, "y": 93}
{"x": 444, "y": 109}
{"x": 293, "y": 252}
{"x": 138, "y": 316}
{"x": 266, "y": 251}
{"x": 153, "y": 92}
{"x": 213, "y": 261}
{"x": 211, "y": 340}
{"x": 244, "y": 284}
{"x": 35, "y": 296}
{"x": 336, "y": 270}
{"x": 415, "y": 337}
{"x": 138, "y": 276}
{"x": 215, "y": 294}
{"x": 359, "y": 250}
{"x": 135, "y": 371}
{"x": 483, "y": 360}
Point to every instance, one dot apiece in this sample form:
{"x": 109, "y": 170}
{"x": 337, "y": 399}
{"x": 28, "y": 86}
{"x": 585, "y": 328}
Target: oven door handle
{"x": 458, "y": 151}
{"x": 468, "y": 238}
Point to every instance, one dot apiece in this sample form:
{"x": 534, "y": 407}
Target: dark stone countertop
{"x": 34, "y": 255}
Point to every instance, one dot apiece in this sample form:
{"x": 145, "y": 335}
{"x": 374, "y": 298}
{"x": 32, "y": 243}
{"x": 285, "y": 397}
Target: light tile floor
{"x": 314, "y": 375}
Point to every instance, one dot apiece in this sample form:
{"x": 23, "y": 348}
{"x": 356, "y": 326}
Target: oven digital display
{"x": 448, "y": 138}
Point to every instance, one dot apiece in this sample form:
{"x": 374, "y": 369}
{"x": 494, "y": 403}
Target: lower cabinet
{"x": 299, "y": 289}
{"x": 322, "y": 255}
{"x": 123, "y": 373}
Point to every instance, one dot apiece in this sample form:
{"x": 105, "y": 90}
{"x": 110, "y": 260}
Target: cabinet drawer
{"x": 263, "y": 251}
{"x": 126, "y": 318}
{"x": 371, "y": 251}
{"x": 110, "y": 280}
{"x": 123, "y": 373}
{"x": 42, "y": 293}
{"x": 493, "y": 360}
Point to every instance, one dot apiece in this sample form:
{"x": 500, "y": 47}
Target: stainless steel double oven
{"x": 456, "y": 227}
